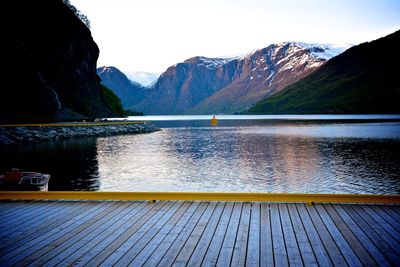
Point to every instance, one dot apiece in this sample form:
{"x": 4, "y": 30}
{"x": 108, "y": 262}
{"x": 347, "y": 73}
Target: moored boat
{"x": 14, "y": 179}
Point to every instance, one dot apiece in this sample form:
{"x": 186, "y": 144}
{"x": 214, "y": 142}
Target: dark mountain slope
{"x": 364, "y": 79}
{"x": 128, "y": 91}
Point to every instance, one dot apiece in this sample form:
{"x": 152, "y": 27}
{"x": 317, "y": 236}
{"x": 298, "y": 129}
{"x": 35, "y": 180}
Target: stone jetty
{"x": 34, "y": 133}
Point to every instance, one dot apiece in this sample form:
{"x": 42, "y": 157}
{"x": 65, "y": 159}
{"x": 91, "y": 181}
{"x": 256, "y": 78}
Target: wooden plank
{"x": 20, "y": 211}
{"x": 13, "y": 207}
{"x": 208, "y": 234}
{"x": 100, "y": 253}
{"x": 12, "y": 224}
{"x": 266, "y": 247}
{"x": 38, "y": 210}
{"x": 211, "y": 256}
{"x": 178, "y": 219}
{"x": 201, "y": 249}
{"x": 395, "y": 209}
{"x": 253, "y": 248}
{"x": 314, "y": 238}
{"x": 102, "y": 243}
{"x": 76, "y": 248}
{"x": 161, "y": 248}
{"x": 278, "y": 241}
{"x": 63, "y": 247}
{"x": 169, "y": 257}
{"x": 335, "y": 254}
{"x": 50, "y": 245}
{"x": 303, "y": 242}
{"x": 361, "y": 234}
{"x": 31, "y": 234}
{"x": 27, "y": 249}
{"x": 187, "y": 250}
{"x": 343, "y": 245}
{"x": 135, "y": 249}
{"x": 363, "y": 247}
{"x": 395, "y": 214}
{"x": 16, "y": 218}
{"x": 240, "y": 249}
{"x": 181, "y": 256}
{"x": 390, "y": 219}
{"x": 292, "y": 246}
{"x": 377, "y": 227}
{"x": 28, "y": 233}
{"x": 386, "y": 250}
{"x": 34, "y": 223}
{"x": 225, "y": 255}
{"x": 382, "y": 222}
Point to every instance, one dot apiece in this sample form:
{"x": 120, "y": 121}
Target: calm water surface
{"x": 291, "y": 155}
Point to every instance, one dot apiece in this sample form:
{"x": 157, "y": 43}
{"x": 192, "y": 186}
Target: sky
{"x": 151, "y": 35}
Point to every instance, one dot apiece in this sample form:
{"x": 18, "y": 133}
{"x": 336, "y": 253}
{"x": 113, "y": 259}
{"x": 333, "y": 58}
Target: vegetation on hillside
{"x": 112, "y": 101}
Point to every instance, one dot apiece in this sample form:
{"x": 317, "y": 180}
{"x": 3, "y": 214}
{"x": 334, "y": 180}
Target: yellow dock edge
{"x": 200, "y": 196}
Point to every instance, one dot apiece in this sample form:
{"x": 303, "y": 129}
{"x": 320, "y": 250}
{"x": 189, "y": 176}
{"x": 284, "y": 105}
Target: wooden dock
{"x": 197, "y": 233}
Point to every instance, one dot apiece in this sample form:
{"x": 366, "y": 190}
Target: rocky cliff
{"x": 52, "y": 53}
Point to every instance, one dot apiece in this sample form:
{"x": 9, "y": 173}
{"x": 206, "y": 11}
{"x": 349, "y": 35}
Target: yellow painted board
{"x": 200, "y": 196}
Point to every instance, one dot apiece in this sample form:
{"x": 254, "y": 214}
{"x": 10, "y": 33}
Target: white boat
{"x": 17, "y": 180}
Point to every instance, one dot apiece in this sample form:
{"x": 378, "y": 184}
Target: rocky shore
{"x": 10, "y": 135}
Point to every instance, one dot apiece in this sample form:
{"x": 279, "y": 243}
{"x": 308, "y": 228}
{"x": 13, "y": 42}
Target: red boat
{"x": 17, "y": 180}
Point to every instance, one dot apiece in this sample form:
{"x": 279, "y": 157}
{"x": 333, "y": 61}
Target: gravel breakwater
{"x": 10, "y": 135}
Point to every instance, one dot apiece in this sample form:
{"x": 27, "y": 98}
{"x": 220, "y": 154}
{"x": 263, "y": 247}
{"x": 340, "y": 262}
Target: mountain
{"x": 364, "y": 79}
{"x": 203, "y": 85}
{"x": 264, "y": 73}
{"x": 142, "y": 77}
{"x": 128, "y": 91}
{"x": 51, "y": 65}
{"x": 185, "y": 84}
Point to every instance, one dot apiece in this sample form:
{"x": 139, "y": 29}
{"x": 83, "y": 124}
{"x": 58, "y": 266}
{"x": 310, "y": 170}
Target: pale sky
{"x": 151, "y": 35}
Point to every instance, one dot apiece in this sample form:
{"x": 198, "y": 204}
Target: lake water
{"x": 313, "y": 154}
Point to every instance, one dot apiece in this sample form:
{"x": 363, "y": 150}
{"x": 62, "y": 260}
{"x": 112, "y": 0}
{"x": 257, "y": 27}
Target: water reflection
{"x": 289, "y": 158}
{"x": 236, "y": 157}
{"x": 71, "y": 163}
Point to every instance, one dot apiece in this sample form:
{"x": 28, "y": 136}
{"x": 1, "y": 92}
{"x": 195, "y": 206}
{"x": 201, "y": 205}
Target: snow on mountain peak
{"x": 323, "y": 51}
{"x": 143, "y": 78}
{"x": 210, "y": 63}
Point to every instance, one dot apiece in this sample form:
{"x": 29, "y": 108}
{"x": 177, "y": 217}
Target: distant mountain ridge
{"x": 363, "y": 79}
{"x": 202, "y": 85}
{"x": 130, "y": 92}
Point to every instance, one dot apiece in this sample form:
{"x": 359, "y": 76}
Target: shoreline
{"x": 34, "y": 133}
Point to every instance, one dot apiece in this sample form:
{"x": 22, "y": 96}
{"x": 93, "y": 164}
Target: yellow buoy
{"x": 214, "y": 121}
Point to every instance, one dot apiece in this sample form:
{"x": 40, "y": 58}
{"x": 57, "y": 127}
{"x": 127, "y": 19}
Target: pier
{"x": 198, "y": 232}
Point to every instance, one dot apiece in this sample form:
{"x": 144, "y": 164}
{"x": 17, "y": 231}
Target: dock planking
{"x": 191, "y": 233}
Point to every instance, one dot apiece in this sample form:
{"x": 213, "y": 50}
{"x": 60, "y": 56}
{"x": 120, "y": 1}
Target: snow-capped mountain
{"x": 144, "y": 78}
{"x": 362, "y": 80}
{"x": 203, "y": 85}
